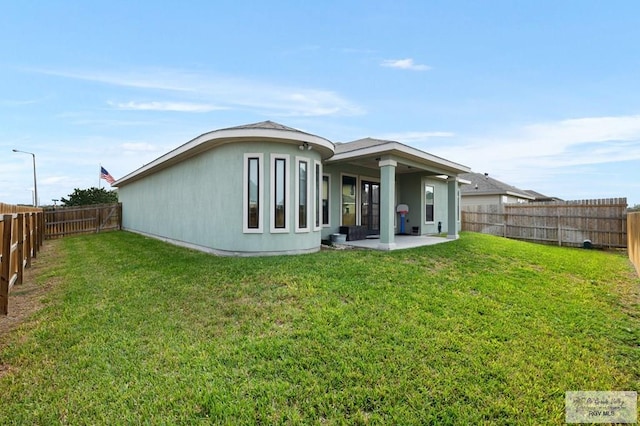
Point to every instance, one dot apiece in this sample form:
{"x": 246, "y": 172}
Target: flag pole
{"x": 99, "y": 174}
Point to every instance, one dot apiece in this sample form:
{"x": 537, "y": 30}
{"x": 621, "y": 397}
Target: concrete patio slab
{"x": 401, "y": 242}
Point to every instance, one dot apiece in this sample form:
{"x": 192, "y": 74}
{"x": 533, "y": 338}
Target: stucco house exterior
{"x": 269, "y": 189}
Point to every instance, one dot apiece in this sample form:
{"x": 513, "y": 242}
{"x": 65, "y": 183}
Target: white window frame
{"x": 328, "y": 224}
{"x": 317, "y": 195}
{"x": 297, "y": 195}
{"x": 424, "y": 202}
{"x": 357, "y": 197}
{"x": 287, "y": 196}
{"x": 245, "y": 194}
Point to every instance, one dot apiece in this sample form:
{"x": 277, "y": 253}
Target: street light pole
{"x": 35, "y": 183}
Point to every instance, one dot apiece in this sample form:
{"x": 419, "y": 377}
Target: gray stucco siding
{"x": 199, "y": 202}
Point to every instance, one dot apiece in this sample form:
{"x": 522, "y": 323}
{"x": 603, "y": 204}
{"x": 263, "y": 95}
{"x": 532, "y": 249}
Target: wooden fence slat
{"x": 64, "y": 221}
{"x": 633, "y": 236}
{"x": 5, "y": 266}
{"x": 20, "y": 248}
{"x": 21, "y": 237}
{"x": 602, "y": 221}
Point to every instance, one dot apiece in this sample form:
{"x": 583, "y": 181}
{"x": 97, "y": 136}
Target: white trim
{"x": 216, "y": 138}
{"x": 245, "y": 201}
{"x": 328, "y": 224}
{"x": 356, "y": 199}
{"x": 297, "y": 195}
{"x": 426, "y": 183}
{"x": 317, "y": 195}
{"x": 425, "y": 159}
{"x": 287, "y": 193}
{"x": 391, "y": 163}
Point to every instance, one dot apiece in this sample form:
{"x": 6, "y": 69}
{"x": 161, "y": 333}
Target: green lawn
{"x": 482, "y": 330}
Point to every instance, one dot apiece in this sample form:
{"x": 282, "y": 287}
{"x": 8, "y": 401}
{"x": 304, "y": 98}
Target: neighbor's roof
{"x": 265, "y": 130}
{"x": 483, "y": 184}
{"x": 366, "y": 150}
{"x": 541, "y": 197}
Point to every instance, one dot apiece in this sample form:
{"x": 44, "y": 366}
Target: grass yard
{"x": 482, "y": 330}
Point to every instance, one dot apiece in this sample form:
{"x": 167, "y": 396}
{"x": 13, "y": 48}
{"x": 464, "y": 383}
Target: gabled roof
{"x": 483, "y": 184}
{"x": 365, "y": 152}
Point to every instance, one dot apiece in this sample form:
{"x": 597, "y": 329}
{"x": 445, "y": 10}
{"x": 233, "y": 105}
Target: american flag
{"x": 104, "y": 174}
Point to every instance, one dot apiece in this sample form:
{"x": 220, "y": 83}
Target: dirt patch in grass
{"x": 27, "y": 298}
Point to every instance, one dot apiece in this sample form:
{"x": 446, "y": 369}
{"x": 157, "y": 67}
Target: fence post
{"x": 559, "y": 228}
{"x": 5, "y": 267}
{"x": 20, "y": 247}
{"x": 40, "y": 216}
{"x": 28, "y": 233}
{"x": 505, "y": 218}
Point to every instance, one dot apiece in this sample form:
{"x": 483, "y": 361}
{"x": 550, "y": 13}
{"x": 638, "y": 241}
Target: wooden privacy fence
{"x": 22, "y": 236}
{"x": 570, "y": 223}
{"x": 633, "y": 237}
{"x": 65, "y": 221}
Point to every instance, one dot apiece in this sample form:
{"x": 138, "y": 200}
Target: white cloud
{"x": 53, "y": 180}
{"x": 151, "y": 79}
{"x": 138, "y": 147}
{"x": 415, "y": 137}
{"x": 541, "y": 152}
{"x": 404, "y": 64}
{"x": 200, "y": 89}
{"x": 166, "y": 106}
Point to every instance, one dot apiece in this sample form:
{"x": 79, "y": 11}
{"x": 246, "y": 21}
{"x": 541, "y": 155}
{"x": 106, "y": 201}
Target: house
{"x": 538, "y": 197}
{"x": 268, "y": 189}
{"x": 485, "y": 190}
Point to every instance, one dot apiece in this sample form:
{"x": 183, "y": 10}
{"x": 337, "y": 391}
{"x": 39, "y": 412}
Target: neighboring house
{"x": 538, "y": 197}
{"x": 485, "y": 190}
{"x": 265, "y": 189}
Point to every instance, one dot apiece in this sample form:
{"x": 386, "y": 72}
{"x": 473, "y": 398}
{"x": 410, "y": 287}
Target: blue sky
{"x": 543, "y": 95}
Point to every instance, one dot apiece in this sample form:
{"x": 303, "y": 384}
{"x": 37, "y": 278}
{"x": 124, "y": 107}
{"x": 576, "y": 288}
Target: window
{"x": 348, "y": 200}
{"x": 302, "y": 194}
{"x": 252, "y": 216}
{"x": 428, "y": 201}
{"x": 280, "y": 192}
{"x": 325, "y": 200}
{"x": 317, "y": 195}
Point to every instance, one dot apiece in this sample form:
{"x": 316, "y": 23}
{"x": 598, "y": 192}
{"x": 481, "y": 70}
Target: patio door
{"x": 370, "y": 206}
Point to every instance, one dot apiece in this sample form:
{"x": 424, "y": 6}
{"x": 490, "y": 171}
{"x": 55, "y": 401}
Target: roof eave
{"x": 403, "y": 151}
{"x": 216, "y": 138}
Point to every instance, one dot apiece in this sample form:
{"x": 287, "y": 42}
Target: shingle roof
{"x": 267, "y": 125}
{"x": 359, "y": 144}
{"x": 484, "y": 184}
{"x": 541, "y": 197}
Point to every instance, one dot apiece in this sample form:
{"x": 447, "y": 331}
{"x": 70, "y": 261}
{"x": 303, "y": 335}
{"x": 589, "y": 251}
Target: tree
{"x": 83, "y": 197}
{"x": 635, "y": 208}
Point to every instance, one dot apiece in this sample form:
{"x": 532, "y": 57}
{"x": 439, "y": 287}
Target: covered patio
{"x": 400, "y": 174}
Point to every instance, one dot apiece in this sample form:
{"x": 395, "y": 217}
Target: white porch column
{"x": 452, "y": 208}
{"x": 387, "y": 203}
